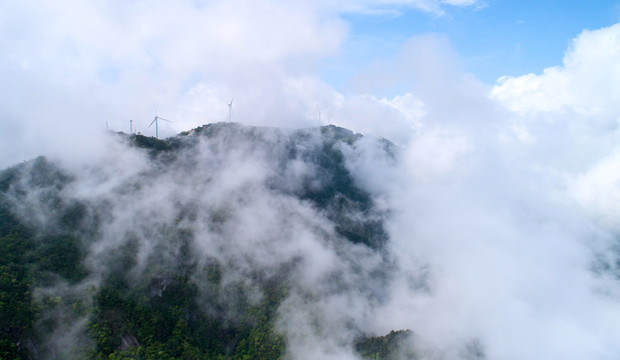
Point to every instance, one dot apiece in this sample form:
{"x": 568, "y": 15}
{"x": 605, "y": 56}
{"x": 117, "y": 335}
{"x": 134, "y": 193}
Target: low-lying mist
{"x": 478, "y": 254}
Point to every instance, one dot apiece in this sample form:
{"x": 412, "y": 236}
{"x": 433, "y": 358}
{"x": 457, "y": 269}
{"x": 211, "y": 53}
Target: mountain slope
{"x": 226, "y": 241}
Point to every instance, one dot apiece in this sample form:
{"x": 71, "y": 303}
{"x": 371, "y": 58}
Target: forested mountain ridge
{"x": 226, "y": 241}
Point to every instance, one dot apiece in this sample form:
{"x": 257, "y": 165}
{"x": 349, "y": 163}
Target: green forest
{"x": 46, "y": 286}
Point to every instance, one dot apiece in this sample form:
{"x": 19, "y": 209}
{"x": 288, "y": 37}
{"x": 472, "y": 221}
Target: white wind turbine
{"x": 230, "y": 111}
{"x": 155, "y": 120}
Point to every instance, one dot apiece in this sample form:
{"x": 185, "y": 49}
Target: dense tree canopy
{"x": 46, "y": 287}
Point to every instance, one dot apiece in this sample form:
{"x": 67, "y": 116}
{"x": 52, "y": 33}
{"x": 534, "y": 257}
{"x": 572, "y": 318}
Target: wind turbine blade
{"x": 161, "y": 118}
{"x": 152, "y": 122}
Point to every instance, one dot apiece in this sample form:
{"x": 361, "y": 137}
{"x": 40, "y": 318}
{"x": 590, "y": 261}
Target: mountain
{"x": 226, "y": 241}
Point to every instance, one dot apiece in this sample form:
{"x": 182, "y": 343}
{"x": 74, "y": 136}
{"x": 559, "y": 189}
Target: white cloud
{"x": 586, "y": 83}
{"x": 434, "y": 153}
{"x": 598, "y": 190}
{"x": 78, "y": 64}
{"x": 574, "y": 110}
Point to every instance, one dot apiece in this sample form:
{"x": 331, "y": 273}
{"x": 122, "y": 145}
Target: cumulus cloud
{"x": 511, "y": 206}
{"x": 572, "y": 108}
{"x": 584, "y": 83}
{"x": 500, "y": 243}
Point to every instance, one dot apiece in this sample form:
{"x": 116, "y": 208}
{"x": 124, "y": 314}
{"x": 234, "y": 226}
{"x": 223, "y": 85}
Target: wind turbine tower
{"x": 130, "y": 127}
{"x": 230, "y": 111}
{"x": 155, "y": 120}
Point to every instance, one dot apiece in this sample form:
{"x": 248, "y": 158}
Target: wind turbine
{"x": 155, "y": 120}
{"x": 230, "y": 111}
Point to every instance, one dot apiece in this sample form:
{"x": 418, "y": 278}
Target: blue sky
{"x": 501, "y": 37}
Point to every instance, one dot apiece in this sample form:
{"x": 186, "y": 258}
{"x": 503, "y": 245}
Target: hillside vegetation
{"x": 225, "y": 242}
